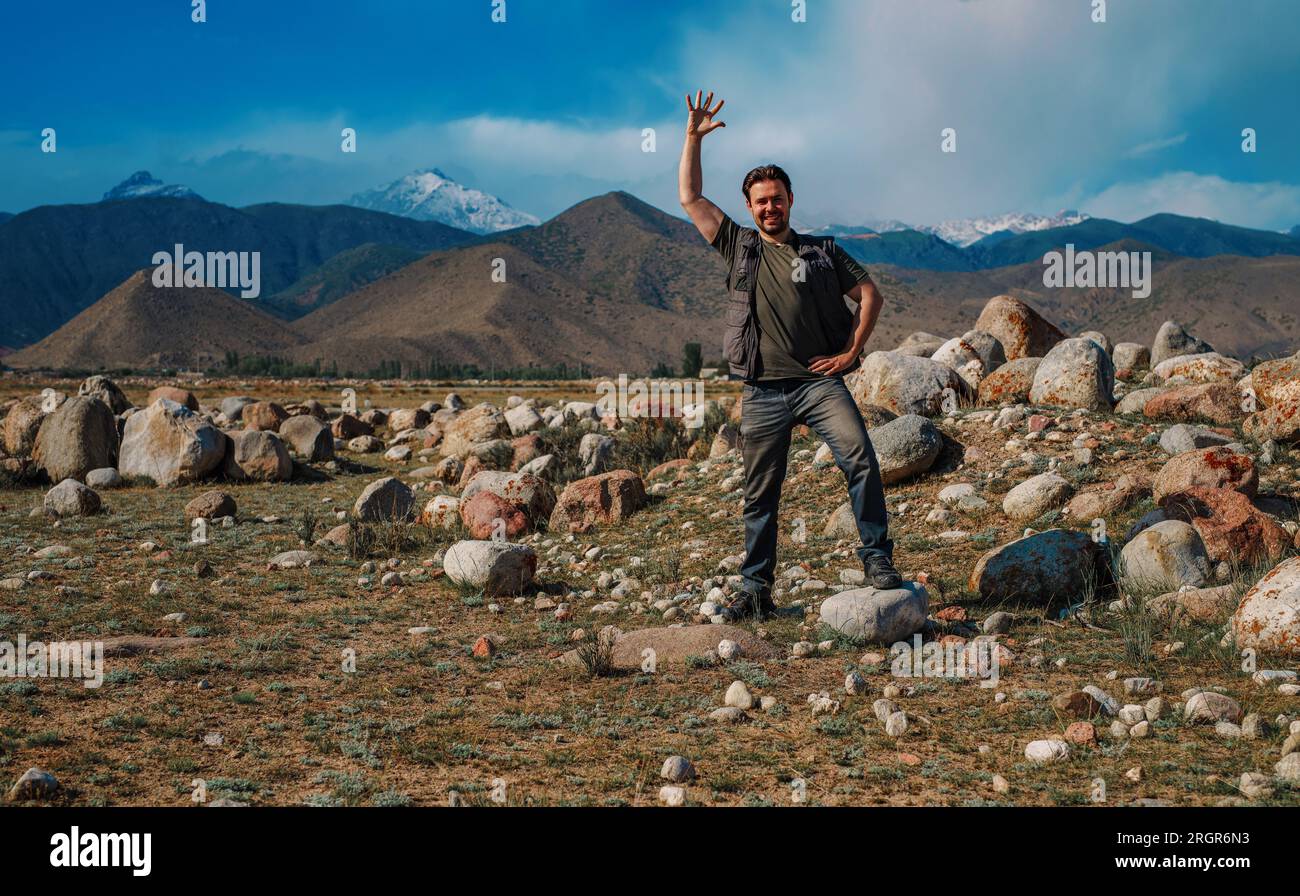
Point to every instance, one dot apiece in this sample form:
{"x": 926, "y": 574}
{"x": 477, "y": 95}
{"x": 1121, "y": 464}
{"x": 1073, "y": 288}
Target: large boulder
{"x": 384, "y": 500}
{"x": 523, "y": 419}
{"x": 1022, "y": 331}
{"x": 1059, "y": 564}
{"x": 1279, "y": 422}
{"x": 102, "y": 388}
{"x": 257, "y": 455}
{"x": 1169, "y": 554}
{"x": 408, "y": 418}
{"x": 1218, "y": 467}
{"x": 233, "y": 406}
{"x": 1268, "y": 617}
{"x": 921, "y": 345}
{"x": 1183, "y": 437}
{"x": 182, "y": 397}
{"x": 1076, "y": 373}
{"x": 1036, "y": 496}
{"x": 265, "y": 415}
{"x": 80, "y": 435}
{"x": 1103, "y": 500}
{"x": 1209, "y": 367}
{"x": 347, "y": 427}
{"x": 876, "y": 615}
{"x": 308, "y": 437}
{"x": 500, "y": 568}
{"x": 487, "y": 515}
{"x": 905, "y": 384}
{"x": 1276, "y": 381}
{"x": 597, "y": 500}
{"x": 71, "y": 498}
{"x": 1010, "y": 383}
{"x": 1130, "y": 357}
{"x": 906, "y": 446}
{"x": 478, "y": 424}
{"x": 1172, "y": 339}
{"x": 1216, "y": 402}
{"x": 21, "y": 425}
{"x": 170, "y": 444}
{"x": 531, "y": 495}
{"x": 1232, "y": 528}
{"x": 595, "y": 451}
{"x": 973, "y": 355}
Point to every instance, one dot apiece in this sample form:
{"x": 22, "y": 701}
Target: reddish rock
{"x": 1217, "y": 467}
{"x": 1082, "y": 733}
{"x": 484, "y": 647}
{"x": 471, "y": 469}
{"x": 1010, "y": 383}
{"x": 347, "y": 427}
{"x": 210, "y": 505}
{"x": 1274, "y": 382}
{"x": 1281, "y": 422}
{"x": 952, "y": 614}
{"x": 526, "y": 448}
{"x": 1109, "y": 498}
{"x": 602, "y": 499}
{"x": 1038, "y": 422}
{"x": 481, "y": 512}
{"x": 1076, "y": 705}
{"x": 1023, "y": 332}
{"x": 1216, "y": 402}
{"x": 1233, "y": 529}
{"x": 265, "y": 415}
{"x": 671, "y": 469}
{"x": 171, "y": 393}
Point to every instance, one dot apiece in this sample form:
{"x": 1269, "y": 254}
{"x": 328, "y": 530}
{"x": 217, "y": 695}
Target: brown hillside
{"x": 139, "y": 325}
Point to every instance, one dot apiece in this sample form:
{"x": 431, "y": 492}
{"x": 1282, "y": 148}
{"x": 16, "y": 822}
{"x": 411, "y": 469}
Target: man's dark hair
{"x": 766, "y": 172}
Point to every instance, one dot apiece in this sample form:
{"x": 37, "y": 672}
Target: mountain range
{"x": 966, "y": 231}
{"x": 142, "y": 183}
{"x": 612, "y": 282}
{"x": 430, "y": 195}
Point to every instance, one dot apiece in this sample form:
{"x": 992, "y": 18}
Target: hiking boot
{"x": 746, "y": 604}
{"x": 881, "y": 573}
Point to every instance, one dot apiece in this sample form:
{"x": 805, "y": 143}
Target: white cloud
{"x": 1268, "y": 206}
{"x": 1144, "y": 149}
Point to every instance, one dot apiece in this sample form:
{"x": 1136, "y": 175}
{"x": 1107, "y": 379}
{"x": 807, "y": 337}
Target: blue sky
{"x": 1142, "y": 113}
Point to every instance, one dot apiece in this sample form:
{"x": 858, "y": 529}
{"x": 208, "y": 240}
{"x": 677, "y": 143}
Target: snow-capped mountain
{"x": 966, "y": 231}
{"x": 142, "y": 183}
{"x": 430, "y": 195}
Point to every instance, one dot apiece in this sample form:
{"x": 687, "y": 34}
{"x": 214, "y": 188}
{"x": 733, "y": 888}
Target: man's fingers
{"x": 721, "y": 103}
{"x": 698, "y": 95}
{"x": 708, "y": 101}
{"x": 689, "y": 104}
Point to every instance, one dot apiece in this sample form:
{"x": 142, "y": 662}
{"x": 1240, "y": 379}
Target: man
{"x": 791, "y": 338}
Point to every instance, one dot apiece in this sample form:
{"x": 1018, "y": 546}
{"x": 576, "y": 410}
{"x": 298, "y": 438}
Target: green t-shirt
{"x": 792, "y": 330}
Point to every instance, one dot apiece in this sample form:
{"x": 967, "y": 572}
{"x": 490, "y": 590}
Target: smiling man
{"x": 790, "y": 336}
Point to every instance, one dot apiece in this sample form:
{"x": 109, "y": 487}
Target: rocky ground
{"x": 498, "y": 596}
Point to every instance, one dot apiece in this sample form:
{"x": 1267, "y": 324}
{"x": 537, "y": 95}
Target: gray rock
{"x": 998, "y": 623}
{"x": 1042, "y": 567}
{"x": 905, "y": 384}
{"x": 383, "y": 500}
{"x": 1076, "y": 373}
{"x": 1187, "y": 437}
{"x": 1135, "y": 401}
{"x": 102, "y": 388}
{"x": 170, "y": 445}
{"x": 595, "y": 451}
{"x": 1210, "y": 708}
{"x": 677, "y": 769}
{"x": 71, "y": 498}
{"x": 309, "y": 438}
{"x": 1169, "y": 554}
{"x": 1173, "y": 340}
{"x": 1036, "y": 496}
{"x": 498, "y": 567}
{"x": 842, "y": 523}
{"x": 905, "y": 446}
{"x": 233, "y": 406}
{"x": 871, "y": 614}
{"x": 1130, "y": 356}
{"x": 103, "y": 477}
{"x": 80, "y": 435}
{"x": 35, "y": 784}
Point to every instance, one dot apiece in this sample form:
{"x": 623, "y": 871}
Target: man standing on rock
{"x": 790, "y": 336}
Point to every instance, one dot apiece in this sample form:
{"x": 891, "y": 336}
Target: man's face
{"x": 769, "y": 203}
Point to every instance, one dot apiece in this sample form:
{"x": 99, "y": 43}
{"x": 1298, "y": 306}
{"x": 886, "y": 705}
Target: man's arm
{"x": 864, "y": 321}
{"x": 706, "y": 216}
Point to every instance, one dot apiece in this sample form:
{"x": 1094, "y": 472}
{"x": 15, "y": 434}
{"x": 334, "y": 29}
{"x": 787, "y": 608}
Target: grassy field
{"x": 262, "y": 708}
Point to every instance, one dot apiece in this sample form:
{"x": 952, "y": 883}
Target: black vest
{"x": 740, "y": 333}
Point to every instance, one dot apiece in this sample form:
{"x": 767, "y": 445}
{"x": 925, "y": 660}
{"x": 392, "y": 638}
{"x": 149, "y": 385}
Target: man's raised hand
{"x": 699, "y": 119}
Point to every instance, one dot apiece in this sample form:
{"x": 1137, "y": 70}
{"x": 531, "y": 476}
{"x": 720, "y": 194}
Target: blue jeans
{"x": 768, "y": 412}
